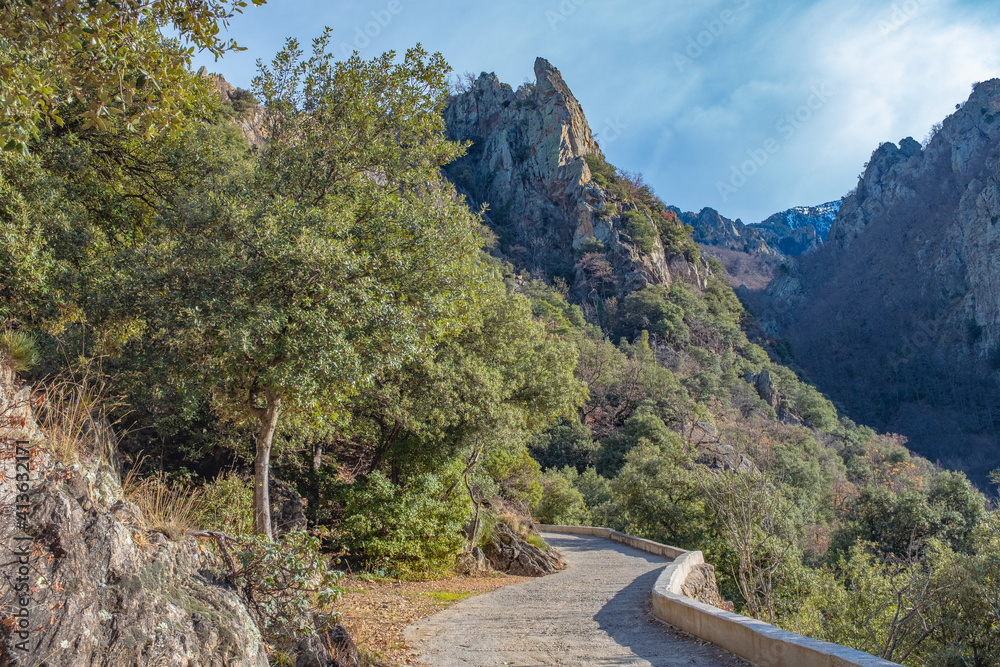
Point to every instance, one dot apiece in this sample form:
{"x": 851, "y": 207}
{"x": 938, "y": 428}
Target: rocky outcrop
{"x": 882, "y": 185}
{"x": 712, "y": 229}
{"x": 765, "y": 388}
{"x": 86, "y": 583}
{"x": 328, "y": 648}
{"x": 249, "y": 117}
{"x": 801, "y": 229}
{"x": 723, "y": 458}
{"x": 789, "y": 233}
{"x": 528, "y": 163}
{"x": 702, "y": 586}
{"x": 508, "y": 552}
{"x": 88, "y": 586}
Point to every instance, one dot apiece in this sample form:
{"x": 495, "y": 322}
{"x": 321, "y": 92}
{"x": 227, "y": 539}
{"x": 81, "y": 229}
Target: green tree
{"x": 652, "y": 310}
{"x": 339, "y": 251}
{"x": 102, "y": 60}
{"x": 657, "y": 495}
{"x": 479, "y": 397}
{"x": 566, "y": 443}
{"x": 641, "y": 230}
{"x": 753, "y": 520}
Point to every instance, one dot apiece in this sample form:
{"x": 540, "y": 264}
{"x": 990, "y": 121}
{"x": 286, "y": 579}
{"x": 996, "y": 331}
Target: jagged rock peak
{"x": 528, "y": 161}
{"x": 956, "y": 154}
{"x": 553, "y": 91}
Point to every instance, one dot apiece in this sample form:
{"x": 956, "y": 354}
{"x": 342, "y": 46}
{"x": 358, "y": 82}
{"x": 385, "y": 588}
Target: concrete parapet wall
{"x": 756, "y": 641}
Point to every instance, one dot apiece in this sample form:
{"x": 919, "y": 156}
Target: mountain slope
{"x": 898, "y": 315}
{"x": 801, "y": 229}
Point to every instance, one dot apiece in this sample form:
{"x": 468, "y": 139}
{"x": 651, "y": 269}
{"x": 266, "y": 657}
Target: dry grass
{"x": 519, "y": 524}
{"x": 73, "y": 414}
{"x": 376, "y": 612}
{"x": 171, "y": 508}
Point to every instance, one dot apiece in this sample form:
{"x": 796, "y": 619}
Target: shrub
{"x": 409, "y": 531}
{"x": 242, "y": 100}
{"x": 283, "y": 580}
{"x": 641, "y": 229}
{"x": 643, "y": 426}
{"x": 566, "y": 443}
{"x": 227, "y": 505}
{"x": 561, "y": 503}
{"x": 18, "y": 350}
{"x": 73, "y": 415}
{"x": 656, "y": 495}
{"x": 169, "y": 507}
{"x": 676, "y": 239}
{"x": 602, "y": 172}
{"x": 607, "y": 211}
{"x": 814, "y": 407}
{"x": 592, "y": 245}
{"x": 654, "y": 310}
{"x": 596, "y": 490}
{"x": 515, "y": 473}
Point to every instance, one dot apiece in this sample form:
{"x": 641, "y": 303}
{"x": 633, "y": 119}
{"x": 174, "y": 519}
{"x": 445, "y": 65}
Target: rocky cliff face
{"x": 527, "y": 162}
{"x": 801, "y": 229}
{"x": 85, "y": 582}
{"x": 82, "y": 583}
{"x": 954, "y": 180}
{"x": 712, "y": 229}
{"x": 249, "y": 117}
{"x": 898, "y": 315}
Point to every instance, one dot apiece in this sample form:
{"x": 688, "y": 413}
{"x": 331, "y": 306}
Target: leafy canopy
{"x": 102, "y": 59}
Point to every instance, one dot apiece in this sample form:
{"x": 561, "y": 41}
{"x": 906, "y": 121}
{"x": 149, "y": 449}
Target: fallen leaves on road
{"x": 375, "y": 612}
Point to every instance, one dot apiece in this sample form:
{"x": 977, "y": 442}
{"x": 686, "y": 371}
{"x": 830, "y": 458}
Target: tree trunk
{"x": 262, "y": 466}
{"x": 317, "y": 456}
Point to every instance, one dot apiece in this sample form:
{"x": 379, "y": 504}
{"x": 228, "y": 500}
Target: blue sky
{"x": 747, "y": 106}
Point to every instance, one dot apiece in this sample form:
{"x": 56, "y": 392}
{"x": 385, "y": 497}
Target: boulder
{"x": 766, "y": 389}
{"x": 508, "y": 552}
{"x": 332, "y": 646}
{"x": 287, "y": 507}
{"x": 719, "y": 457}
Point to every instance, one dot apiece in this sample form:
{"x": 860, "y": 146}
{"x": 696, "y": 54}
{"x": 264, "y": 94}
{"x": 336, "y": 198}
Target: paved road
{"x": 595, "y": 612}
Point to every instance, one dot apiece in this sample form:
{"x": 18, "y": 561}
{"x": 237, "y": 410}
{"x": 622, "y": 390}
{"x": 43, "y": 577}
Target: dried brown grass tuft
{"x": 73, "y": 411}
{"x": 168, "y": 507}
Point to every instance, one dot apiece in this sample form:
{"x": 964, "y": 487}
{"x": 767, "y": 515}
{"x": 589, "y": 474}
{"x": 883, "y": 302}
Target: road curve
{"x": 595, "y": 612}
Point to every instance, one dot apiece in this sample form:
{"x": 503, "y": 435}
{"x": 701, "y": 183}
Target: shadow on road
{"x": 625, "y": 620}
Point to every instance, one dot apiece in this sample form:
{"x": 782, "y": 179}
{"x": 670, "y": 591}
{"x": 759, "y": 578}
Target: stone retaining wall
{"x": 756, "y": 641}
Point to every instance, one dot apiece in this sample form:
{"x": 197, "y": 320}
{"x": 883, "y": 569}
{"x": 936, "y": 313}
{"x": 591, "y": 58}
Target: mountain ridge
{"x": 898, "y": 314}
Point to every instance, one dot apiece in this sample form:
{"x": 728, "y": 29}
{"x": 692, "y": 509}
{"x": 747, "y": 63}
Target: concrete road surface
{"x": 595, "y": 612}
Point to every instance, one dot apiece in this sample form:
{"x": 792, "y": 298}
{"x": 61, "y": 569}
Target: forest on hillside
{"x": 324, "y": 309}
